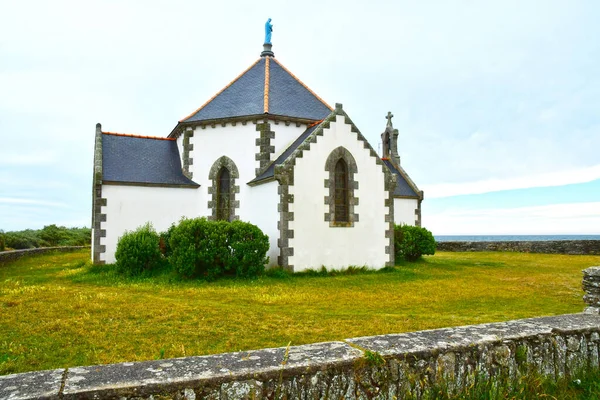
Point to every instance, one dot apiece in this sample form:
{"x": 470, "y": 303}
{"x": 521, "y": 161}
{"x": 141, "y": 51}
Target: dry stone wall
{"x": 12, "y": 255}
{"x": 548, "y": 247}
{"x": 377, "y": 367}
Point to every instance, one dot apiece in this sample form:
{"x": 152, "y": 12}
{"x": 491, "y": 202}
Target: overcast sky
{"x": 497, "y": 102}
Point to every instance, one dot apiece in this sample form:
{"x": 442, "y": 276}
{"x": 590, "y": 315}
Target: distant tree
{"x": 2, "y": 241}
{"x": 52, "y": 234}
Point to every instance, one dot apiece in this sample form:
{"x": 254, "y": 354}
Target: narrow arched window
{"x": 341, "y": 192}
{"x": 223, "y": 194}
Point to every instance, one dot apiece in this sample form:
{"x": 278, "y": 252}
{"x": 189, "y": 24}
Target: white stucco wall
{"x": 404, "y": 211}
{"x": 128, "y": 207}
{"x": 315, "y": 243}
{"x": 236, "y": 142}
{"x": 262, "y": 212}
{"x": 284, "y": 136}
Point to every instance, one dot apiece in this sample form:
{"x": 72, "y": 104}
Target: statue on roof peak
{"x": 268, "y": 30}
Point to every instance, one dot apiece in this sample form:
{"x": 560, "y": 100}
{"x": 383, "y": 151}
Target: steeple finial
{"x": 267, "y": 52}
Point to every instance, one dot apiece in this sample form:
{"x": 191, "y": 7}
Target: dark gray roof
{"x": 270, "y": 171}
{"x": 140, "y": 160}
{"x": 403, "y": 188}
{"x": 245, "y": 96}
{"x": 289, "y": 97}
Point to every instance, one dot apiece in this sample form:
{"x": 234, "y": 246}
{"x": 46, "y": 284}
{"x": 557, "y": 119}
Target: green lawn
{"x": 58, "y": 311}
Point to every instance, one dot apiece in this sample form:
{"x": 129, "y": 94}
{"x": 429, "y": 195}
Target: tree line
{"x": 48, "y": 236}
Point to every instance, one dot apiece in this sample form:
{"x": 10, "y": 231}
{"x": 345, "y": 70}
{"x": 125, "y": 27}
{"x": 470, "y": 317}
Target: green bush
{"x": 26, "y": 239}
{"x": 2, "y": 245}
{"x": 165, "y": 237}
{"x": 138, "y": 251}
{"x": 209, "y": 249}
{"x": 249, "y": 246}
{"x": 411, "y": 242}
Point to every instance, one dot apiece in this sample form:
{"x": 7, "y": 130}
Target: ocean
{"x": 511, "y": 238}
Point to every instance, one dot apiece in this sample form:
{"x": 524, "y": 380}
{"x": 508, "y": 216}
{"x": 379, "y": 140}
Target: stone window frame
{"x": 213, "y": 177}
{"x": 337, "y": 154}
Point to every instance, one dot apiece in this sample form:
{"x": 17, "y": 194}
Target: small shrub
{"x": 209, "y": 249}
{"x": 412, "y": 242}
{"x": 138, "y": 251}
{"x": 199, "y": 248}
{"x": 165, "y": 247}
{"x": 249, "y": 246}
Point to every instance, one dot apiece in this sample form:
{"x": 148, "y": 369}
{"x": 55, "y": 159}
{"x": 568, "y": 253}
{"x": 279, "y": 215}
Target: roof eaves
{"x": 137, "y": 136}
{"x": 192, "y": 185}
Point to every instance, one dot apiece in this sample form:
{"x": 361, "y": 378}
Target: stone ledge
{"x": 151, "y": 377}
{"x": 473, "y": 335}
{"x": 32, "y": 385}
{"x": 557, "y": 345}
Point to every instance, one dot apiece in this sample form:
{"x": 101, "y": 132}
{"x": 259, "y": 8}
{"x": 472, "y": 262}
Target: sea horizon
{"x": 511, "y": 238}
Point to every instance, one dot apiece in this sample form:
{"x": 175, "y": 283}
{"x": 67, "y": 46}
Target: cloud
{"x": 561, "y": 178}
{"x": 568, "y": 218}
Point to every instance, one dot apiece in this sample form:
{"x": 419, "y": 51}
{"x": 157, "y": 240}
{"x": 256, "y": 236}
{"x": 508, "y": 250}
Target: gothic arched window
{"x": 223, "y": 189}
{"x": 223, "y": 195}
{"x": 342, "y": 185}
{"x": 341, "y": 192}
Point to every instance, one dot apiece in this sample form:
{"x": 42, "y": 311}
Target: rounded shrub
{"x": 138, "y": 251}
{"x": 199, "y": 248}
{"x": 209, "y": 249}
{"x": 249, "y": 246}
{"x": 412, "y": 242}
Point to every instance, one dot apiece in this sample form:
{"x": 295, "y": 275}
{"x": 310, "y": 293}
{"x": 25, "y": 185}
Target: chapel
{"x": 265, "y": 149}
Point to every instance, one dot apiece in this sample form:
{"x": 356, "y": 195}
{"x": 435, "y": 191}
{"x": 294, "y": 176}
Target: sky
{"x": 497, "y": 102}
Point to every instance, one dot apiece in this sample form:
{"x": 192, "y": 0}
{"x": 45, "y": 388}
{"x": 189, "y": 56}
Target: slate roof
{"x": 266, "y": 87}
{"x": 142, "y": 160}
{"x": 270, "y": 171}
{"x": 403, "y": 188}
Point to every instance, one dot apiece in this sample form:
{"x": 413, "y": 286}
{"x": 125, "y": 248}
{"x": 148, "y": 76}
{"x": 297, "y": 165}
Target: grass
{"x": 59, "y": 311}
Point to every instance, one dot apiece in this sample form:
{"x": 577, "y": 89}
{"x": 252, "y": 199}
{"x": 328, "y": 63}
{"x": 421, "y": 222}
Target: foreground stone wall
{"x": 12, "y": 255}
{"x": 549, "y": 246}
{"x": 378, "y": 367}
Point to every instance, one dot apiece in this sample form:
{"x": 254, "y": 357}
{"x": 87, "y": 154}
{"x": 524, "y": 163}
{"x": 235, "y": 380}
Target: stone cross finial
{"x": 389, "y": 118}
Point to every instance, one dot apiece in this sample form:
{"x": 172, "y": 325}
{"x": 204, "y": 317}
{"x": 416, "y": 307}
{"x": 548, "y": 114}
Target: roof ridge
{"x": 221, "y": 91}
{"x": 137, "y": 136}
{"x": 267, "y": 82}
{"x": 304, "y": 85}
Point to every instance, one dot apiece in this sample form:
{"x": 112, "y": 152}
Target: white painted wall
{"x": 404, "y": 211}
{"x": 236, "y": 142}
{"x": 262, "y": 212}
{"x": 284, "y": 136}
{"x": 315, "y": 243}
{"x": 128, "y": 207}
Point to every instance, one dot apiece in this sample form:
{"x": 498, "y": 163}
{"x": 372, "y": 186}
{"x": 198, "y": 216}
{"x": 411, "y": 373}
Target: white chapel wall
{"x": 262, "y": 212}
{"x": 315, "y": 243}
{"x": 236, "y": 142}
{"x": 284, "y": 136}
{"x": 404, "y": 211}
{"x": 128, "y": 207}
